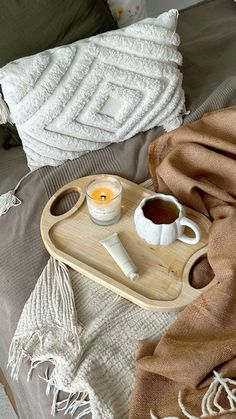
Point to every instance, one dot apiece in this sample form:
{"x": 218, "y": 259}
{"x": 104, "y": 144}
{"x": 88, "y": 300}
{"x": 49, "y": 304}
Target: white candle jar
{"x": 103, "y": 196}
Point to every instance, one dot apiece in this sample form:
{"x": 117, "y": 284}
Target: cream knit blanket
{"x": 90, "y": 335}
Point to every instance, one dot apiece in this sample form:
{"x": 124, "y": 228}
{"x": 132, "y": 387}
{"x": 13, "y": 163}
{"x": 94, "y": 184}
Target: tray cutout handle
{"x": 47, "y": 212}
{"x": 187, "y": 288}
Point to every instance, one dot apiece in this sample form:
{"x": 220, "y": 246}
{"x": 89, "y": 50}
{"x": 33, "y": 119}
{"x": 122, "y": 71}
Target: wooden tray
{"x": 164, "y": 270}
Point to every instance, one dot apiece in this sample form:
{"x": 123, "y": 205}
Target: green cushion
{"x": 31, "y": 26}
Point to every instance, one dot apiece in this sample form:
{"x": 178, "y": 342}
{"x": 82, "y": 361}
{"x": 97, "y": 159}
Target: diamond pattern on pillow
{"x": 81, "y": 97}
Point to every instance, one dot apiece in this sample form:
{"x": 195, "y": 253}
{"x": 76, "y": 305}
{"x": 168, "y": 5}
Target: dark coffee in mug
{"x": 160, "y": 211}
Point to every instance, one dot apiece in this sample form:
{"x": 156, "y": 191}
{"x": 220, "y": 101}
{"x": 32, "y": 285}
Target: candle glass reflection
{"x": 103, "y": 196}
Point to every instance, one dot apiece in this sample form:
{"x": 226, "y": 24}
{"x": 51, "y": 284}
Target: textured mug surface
{"x": 166, "y": 233}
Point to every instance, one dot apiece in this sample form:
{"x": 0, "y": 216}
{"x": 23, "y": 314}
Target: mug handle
{"x": 189, "y": 223}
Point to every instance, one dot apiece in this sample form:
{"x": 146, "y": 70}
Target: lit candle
{"x": 103, "y": 195}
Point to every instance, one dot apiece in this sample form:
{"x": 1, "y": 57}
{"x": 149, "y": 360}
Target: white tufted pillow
{"x": 81, "y": 97}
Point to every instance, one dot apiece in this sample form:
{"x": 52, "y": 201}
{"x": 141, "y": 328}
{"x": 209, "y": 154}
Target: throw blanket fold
{"x": 93, "y": 361}
{"x": 190, "y": 371}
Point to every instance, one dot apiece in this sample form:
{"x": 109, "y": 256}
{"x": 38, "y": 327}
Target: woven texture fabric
{"x": 89, "y": 334}
{"x": 194, "y": 364}
{"x": 84, "y": 96}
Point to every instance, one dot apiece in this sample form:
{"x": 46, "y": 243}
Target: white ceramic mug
{"x": 165, "y": 233}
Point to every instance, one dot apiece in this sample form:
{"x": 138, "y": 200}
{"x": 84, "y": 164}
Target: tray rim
{"x": 177, "y": 304}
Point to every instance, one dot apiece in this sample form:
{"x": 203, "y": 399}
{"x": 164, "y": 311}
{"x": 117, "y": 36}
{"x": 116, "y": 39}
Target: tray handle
{"x": 187, "y": 289}
{"x": 48, "y": 218}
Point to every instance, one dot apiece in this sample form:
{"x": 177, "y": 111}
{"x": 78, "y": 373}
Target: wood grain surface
{"x": 164, "y": 270}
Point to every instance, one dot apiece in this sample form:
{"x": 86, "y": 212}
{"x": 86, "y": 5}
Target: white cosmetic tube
{"x": 120, "y": 256}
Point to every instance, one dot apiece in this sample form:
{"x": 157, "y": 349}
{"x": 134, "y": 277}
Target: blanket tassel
{"x": 9, "y": 199}
{"x": 16, "y": 357}
{"x": 4, "y": 111}
{"x": 71, "y": 403}
{"x": 210, "y": 402}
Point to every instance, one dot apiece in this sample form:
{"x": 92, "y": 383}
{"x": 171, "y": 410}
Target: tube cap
{"x": 134, "y": 276}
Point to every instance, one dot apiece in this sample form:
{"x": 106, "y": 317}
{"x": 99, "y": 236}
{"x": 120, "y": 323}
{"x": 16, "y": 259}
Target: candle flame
{"x": 103, "y": 196}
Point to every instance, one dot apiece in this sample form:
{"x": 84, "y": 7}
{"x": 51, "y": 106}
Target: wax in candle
{"x": 102, "y": 194}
